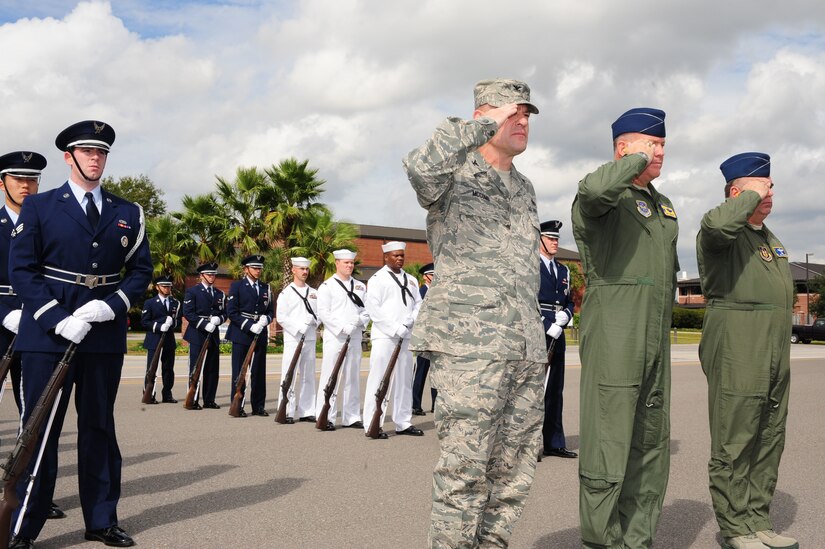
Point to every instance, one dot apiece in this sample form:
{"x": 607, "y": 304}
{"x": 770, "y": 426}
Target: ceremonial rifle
{"x": 374, "y": 430}
{"x": 240, "y": 383}
{"x": 151, "y": 372}
{"x": 286, "y": 383}
{"x": 329, "y": 388}
{"x": 21, "y": 455}
{"x": 195, "y": 378}
{"x": 5, "y": 364}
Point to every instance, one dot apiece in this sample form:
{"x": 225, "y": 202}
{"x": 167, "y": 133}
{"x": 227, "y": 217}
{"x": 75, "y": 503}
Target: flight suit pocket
{"x": 617, "y": 406}
{"x": 654, "y": 420}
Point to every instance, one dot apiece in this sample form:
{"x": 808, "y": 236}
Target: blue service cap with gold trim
{"x": 640, "y": 120}
{"x": 208, "y": 268}
{"x": 88, "y": 133}
{"x": 254, "y": 260}
{"x": 22, "y": 164}
{"x": 164, "y": 280}
{"x": 747, "y": 164}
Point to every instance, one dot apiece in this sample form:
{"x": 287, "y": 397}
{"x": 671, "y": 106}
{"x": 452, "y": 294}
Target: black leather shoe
{"x": 170, "y": 401}
{"x": 55, "y": 512}
{"x": 309, "y": 419}
{"x": 21, "y": 543}
{"x": 211, "y": 406}
{"x": 262, "y": 413}
{"x": 419, "y": 412}
{"x": 288, "y": 420}
{"x": 560, "y": 452}
{"x": 412, "y": 430}
{"x": 330, "y": 426}
{"x": 113, "y": 536}
{"x": 154, "y": 401}
{"x": 381, "y": 436}
{"x": 242, "y": 413}
{"x": 355, "y": 425}
{"x": 196, "y": 406}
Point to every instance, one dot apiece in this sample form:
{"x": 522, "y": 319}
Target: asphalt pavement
{"x": 204, "y": 479}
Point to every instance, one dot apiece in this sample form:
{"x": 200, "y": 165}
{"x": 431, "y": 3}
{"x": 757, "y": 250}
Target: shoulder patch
{"x": 668, "y": 211}
{"x": 779, "y": 251}
{"x": 643, "y": 208}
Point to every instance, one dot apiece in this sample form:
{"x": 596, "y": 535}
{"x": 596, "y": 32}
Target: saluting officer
{"x": 204, "y": 309}
{"x": 297, "y": 313}
{"x": 78, "y": 260}
{"x": 341, "y": 308}
{"x": 422, "y": 365}
{"x": 19, "y": 177}
{"x": 392, "y": 303}
{"x": 249, "y": 307}
{"x": 161, "y": 314}
{"x": 556, "y": 309}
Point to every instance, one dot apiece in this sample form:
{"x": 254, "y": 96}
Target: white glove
{"x": 348, "y": 329}
{"x": 402, "y": 332}
{"x": 94, "y": 311}
{"x": 166, "y": 324}
{"x": 216, "y": 320}
{"x": 12, "y": 320}
{"x": 263, "y": 321}
{"x": 209, "y": 327}
{"x": 301, "y": 330}
{"x": 562, "y": 318}
{"x": 73, "y": 329}
{"x": 256, "y": 328}
{"x": 554, "y": 331}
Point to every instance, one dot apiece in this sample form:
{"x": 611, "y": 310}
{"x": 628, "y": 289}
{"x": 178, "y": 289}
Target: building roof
{"x": 798, "y": 272}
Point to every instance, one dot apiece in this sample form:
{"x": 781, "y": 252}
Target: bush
{"x": 687, "y": 318}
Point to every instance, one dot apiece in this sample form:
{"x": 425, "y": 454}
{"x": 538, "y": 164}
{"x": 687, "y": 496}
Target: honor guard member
{"x": 392, "y": 303}
{"x": 745, "y": 352}
{"x": 297, "y": 312}
{"x": 479, "y": 324}
{"x": 341, "y": 308}
{"x": 250, "y": 310}
{"x": 161, "y": 315}
{"x": 556, "y": 309}
{"x": 626, "y": 232}
{"x": 204, "y": 309}
{"x": 19, "y": 177}
{"x": 79, "y": 259}
{"x": 422, "y": 365}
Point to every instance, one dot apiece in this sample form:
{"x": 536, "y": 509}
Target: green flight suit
{"x": 745, "y": 354}
{"x": 627, "y": 240}
{"x": 480, "y": 326}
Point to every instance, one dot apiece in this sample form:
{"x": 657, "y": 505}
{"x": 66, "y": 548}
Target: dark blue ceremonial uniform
{"x": 554, "y": 292}
{"x": 422, "y": 368}
{"x": 57, "y": 263}
{"x": 244, "y": 307}
{"x": 8, "y": 302}
{"x": 154, "y": 314}
{"x": 198, "y": 306}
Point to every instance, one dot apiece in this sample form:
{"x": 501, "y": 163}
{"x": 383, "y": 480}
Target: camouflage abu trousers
{"x": 488, "y": 415}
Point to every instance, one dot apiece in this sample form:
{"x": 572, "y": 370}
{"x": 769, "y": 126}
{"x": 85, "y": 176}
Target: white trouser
{"x": 303, "y": 380}
{"x": 348, "y": 386}
{"x": 400, "y": 383}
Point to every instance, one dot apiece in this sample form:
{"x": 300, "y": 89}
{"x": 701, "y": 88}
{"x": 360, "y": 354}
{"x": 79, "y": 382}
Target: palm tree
{"x": 245, "y": 202}
{"x": 318, "y": 236}
{"x": 167, "y": 243}
{"x": 295, "y": 190}
{"x": 203, "y": 224}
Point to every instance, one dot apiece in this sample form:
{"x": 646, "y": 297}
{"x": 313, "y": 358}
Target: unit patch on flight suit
{"x": 779, "y": 251}
{"x": 668, "y": 211}
{"x": 765, "y": 253}
{"x": 643, "y": 208}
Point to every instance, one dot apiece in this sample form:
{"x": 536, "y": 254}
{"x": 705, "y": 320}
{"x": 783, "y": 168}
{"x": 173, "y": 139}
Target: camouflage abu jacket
{"x": 484, "y": 241}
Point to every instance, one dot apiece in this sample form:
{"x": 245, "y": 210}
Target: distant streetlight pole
{"x": 807, "y": 292}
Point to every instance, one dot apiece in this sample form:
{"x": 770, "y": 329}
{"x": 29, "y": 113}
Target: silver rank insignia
{"x": 765, "y": 253}
{"x": 124, "y": 241}
{"x": 668, "y": 211}
{"x": 643, "y": 208}
{"x": 4, "y": 220}
{"x": 17, "y": 230}
{"x": 65, "y": 195}
{"x": 779, "y": 251}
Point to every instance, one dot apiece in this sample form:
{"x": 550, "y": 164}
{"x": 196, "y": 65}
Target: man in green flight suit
{"x": 626, "y": 232}
{"x": 745, "y": 352}
{"x": 480, "y": 325}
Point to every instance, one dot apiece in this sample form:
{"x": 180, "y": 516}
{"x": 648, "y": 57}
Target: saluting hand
{"x": 501, "y": 114}
{"x": 761, "y": 185}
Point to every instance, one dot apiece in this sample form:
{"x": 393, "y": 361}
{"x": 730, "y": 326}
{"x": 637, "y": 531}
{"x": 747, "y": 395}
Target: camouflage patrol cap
{"x": 502, "y": 91}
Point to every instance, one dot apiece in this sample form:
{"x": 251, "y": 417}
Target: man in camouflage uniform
{"x": 626, "y": 232}
{"x": 480, "y": 324}
{"x": 745, "y": 352}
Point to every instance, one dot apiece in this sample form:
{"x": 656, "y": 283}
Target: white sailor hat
{"x": 343, "y": 254}
{"x": 393, "y": 246}
{"x": 300, "y": 262}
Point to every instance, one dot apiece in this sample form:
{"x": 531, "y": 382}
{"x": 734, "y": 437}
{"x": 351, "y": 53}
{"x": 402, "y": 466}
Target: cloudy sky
{"x": 196, "y": 89}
